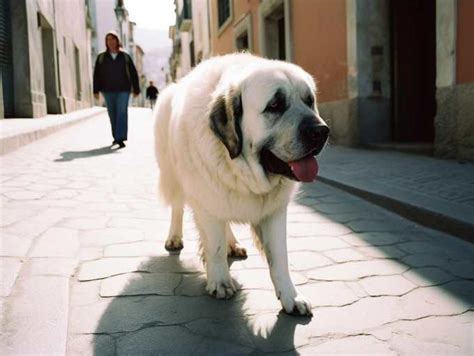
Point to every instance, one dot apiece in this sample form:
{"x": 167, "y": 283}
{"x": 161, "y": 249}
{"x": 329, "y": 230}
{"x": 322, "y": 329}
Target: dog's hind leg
{"x": 174, "y": 241}
{"x": 234, "y": 247}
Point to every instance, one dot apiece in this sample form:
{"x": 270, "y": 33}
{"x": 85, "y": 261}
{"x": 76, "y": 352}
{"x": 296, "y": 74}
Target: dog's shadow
{"x": 164, "y": 309}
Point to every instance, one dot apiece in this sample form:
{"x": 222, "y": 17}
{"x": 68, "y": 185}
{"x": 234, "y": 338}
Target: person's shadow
{"x": 165, "y": 310}
{"x": 71, "y": 155}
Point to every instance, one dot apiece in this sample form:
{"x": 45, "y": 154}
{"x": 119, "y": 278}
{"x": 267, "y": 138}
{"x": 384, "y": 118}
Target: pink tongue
{"x": 305, "y": 169}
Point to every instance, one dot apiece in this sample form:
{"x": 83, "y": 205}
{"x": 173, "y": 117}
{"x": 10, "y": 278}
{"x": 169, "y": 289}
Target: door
{"x": 6, "y": 65}
{"x": 413, "y": 27}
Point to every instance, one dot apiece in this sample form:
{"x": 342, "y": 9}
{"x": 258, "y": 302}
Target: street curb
{"x": 416, "y": 213}
{"x": 18, "y": 139}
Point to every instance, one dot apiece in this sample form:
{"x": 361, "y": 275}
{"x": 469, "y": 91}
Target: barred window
{"x": 223, "y": 11}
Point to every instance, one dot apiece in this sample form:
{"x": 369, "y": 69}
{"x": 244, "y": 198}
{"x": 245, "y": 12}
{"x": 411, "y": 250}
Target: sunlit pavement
{"x": 84, "y": 269}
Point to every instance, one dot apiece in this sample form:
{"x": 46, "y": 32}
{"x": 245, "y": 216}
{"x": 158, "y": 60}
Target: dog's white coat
{"x": 196, "y": 169}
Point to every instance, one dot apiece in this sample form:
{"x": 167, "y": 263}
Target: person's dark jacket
{"x": 152, "y": 92}
{"x": 114, "y": 75}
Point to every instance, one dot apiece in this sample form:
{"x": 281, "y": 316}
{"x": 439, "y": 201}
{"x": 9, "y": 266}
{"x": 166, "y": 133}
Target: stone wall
{"x": 342, "y": 118}
{"x": 454, "y": 124}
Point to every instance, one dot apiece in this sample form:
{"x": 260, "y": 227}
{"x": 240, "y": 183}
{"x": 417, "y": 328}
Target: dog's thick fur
{"x": 214, "y": 129}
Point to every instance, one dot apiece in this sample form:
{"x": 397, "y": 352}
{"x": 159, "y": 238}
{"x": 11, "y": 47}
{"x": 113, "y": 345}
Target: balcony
{"x": 185, "y": 17}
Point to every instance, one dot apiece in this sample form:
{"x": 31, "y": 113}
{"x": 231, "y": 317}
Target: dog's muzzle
{"x": 313, "y": 135}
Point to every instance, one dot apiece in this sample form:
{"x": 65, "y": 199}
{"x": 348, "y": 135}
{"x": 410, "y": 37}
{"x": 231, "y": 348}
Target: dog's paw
{"x": 237, "y": 250}
{"x": 221, "y": 289}
{"x": 297, "y": 305}
{"x": 174, "y": 243}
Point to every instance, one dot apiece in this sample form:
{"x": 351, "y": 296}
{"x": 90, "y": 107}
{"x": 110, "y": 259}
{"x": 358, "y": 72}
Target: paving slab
{"x": 37, "y": 326}
{"x": 438, "y": 193}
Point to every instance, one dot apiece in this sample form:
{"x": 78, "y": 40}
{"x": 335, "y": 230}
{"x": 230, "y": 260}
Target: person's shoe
{"x": 121, "y": 144}
{"x": 114, "y": 143}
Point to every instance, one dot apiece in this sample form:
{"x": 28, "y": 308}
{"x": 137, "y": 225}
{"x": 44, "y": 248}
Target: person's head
{"x": 151, "y": 82}
{"x": 112, "y": 41}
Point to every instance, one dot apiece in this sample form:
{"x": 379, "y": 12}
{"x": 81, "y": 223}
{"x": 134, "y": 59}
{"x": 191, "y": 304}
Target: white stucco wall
{"x": 33, "y": 54}
{"x": 71, "y": 33}
{"x": 202, "y": 44}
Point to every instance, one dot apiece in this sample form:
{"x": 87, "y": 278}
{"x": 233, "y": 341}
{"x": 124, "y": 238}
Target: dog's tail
{"x": 170, "y": 191}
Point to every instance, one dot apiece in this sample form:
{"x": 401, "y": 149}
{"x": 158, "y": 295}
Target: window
{"x": 223, "y": 11}
{"x": 275, "y": 29}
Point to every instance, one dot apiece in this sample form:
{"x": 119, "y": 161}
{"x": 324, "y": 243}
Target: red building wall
{"x": 320, "y": 44}
{"x": 465, "y": 42}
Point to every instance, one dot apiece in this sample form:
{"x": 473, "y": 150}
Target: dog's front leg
{"x": 272, "y": 233}
{"x": 213, "y": 237}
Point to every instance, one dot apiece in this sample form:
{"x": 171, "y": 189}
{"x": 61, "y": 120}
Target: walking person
{"x": 115, "y": 77}
{"x": 151, "y": 94}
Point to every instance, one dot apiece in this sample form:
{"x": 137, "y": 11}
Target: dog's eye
{"x": 309, "y": 101}
{"x": 277, "y": 105}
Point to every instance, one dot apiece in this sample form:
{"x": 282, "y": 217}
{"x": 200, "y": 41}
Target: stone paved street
{"x": 84, "y": 269}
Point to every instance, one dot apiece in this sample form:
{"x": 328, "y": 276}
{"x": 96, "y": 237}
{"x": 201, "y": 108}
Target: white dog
{"x": 231, "y": 139}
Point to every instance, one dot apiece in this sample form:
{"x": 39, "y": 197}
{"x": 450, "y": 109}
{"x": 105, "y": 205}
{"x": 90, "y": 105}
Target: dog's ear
{"x": 225, "y": 117}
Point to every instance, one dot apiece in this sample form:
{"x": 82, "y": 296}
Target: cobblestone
{"x": 84, "y": 269}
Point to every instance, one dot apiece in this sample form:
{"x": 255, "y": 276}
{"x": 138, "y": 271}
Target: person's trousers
{"x": 117, "y": 107}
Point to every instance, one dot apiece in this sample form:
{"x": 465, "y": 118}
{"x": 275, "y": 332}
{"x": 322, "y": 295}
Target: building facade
{"x": 389, "y": 73}
{"x": 45, "y": 51}
{"x": 138, "y": 55}
{"x": 183, "y": 57}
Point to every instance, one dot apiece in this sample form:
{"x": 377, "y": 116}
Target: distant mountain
{"x": 157, "y": 47}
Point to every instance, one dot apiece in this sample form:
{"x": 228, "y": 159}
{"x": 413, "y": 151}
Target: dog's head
{"x": 270, "y": 113}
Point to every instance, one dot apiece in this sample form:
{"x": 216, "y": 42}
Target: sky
{"x": 151, "y": 14}
{"x": 153, "y": 18}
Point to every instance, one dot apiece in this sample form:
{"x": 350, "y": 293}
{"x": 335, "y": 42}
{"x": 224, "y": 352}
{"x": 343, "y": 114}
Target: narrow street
{"x": 84, "y": 269}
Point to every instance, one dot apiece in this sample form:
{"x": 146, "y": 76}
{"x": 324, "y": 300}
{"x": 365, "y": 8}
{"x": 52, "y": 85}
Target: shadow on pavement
{"x": 71, "y": 155}
{"x": 426, "y": 257}
{"x": 164, "y": 309}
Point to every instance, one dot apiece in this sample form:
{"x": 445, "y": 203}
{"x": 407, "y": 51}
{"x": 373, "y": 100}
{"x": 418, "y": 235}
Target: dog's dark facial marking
{"x": 225, "y": 117}
{"x": 238, "y": 111}
{"x": 237, "y": 105}
{"x": 278, "y": 104}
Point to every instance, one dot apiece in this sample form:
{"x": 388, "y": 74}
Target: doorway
{"x": 6, "y": 62}
{"x": 413, "y": 29}
{"x": 51, "y": 84}
{"x": 242, "y": 42}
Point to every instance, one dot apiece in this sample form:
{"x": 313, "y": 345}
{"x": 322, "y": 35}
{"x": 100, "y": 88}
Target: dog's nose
{"x": 313, "y": 135}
